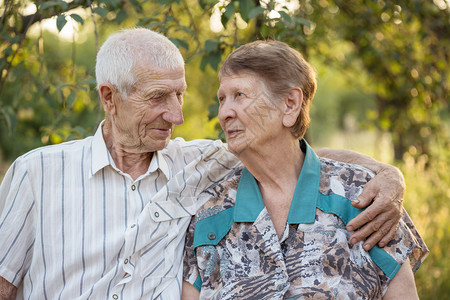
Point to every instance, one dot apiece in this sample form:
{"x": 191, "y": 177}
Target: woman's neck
{"x": 276, "y": 171}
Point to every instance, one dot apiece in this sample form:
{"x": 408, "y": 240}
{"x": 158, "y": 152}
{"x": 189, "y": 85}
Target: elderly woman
{"x": 276, "y": 228}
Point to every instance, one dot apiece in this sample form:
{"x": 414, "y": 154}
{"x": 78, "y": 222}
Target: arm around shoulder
{"x": 189, "y": 292}
{"x": 7, "y": 290}
{"x": 402, "y": 285}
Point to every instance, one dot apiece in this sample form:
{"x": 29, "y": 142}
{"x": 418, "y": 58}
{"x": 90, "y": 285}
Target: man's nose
{"x": 174, "y": 113}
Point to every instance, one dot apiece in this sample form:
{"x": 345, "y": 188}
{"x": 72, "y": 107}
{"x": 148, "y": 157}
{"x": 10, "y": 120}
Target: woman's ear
{"x": 106, "y": 92}
{"x": 292, "y": 106}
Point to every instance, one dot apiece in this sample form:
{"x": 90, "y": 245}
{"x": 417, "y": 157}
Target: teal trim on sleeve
{"x": 249, "y": 203}
{"x": 341, "y": 207}
{"x": 303, "y": 205}
{"x": 211, "y": 230}
{"x": 198, "y": 283}
{"x": 385, "y": 261}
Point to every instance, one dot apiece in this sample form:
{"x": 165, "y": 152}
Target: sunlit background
{"x": 382, "y": 67}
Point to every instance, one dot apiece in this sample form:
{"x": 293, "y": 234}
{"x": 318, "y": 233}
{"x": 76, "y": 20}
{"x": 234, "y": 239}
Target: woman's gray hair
{"x": 128, "y": 48}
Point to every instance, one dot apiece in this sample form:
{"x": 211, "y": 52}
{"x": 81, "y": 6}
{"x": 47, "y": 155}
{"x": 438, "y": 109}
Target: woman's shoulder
{"x": 220, "y": 196}
{"x": 343, "y": 179}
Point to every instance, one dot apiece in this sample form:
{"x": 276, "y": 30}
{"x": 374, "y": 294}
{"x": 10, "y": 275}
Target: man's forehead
{"x": 147, "y": 75}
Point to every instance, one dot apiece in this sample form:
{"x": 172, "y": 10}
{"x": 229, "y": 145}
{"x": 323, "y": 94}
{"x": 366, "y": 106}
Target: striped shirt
{"x": 73, "y": 226}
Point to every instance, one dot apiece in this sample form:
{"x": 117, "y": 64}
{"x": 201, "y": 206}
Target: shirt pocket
{"x": 164, "y": 236}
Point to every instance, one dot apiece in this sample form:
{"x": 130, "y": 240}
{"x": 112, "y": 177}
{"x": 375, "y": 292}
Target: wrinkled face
{"x": 249, "y": 117}
{"x": 146, "y": 117}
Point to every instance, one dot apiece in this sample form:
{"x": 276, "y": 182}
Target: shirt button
{"x": 134, "y": 225}
{"x": 211, "y": 236}
{"x": 133, "y": 187}
{"x": 280, "y": 287}
{"x": 115, "y": 296}
{"x": 125, "y": 261}
{"x": 156, "y": 214}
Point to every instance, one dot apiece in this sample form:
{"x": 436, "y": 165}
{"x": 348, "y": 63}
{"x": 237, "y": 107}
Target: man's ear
{"x": 106, "y": 92}
{"x": 292, "y": 106}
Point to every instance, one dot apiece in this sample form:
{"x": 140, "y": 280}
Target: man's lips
{"x": 233, "y": 132}
{"x": 162, "y": 130}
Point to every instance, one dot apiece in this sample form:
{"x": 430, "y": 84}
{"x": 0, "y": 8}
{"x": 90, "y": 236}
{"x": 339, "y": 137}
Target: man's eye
{"x": 157, "y": 97}
{"x": 220, "y": 99}
{"x": 240, "y": 94}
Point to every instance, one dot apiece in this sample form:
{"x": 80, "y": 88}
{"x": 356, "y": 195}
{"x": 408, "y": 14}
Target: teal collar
{"x": 249, "y": 202}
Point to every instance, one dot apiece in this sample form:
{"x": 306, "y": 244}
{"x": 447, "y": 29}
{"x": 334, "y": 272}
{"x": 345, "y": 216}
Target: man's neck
{"x": 131, "y": 162}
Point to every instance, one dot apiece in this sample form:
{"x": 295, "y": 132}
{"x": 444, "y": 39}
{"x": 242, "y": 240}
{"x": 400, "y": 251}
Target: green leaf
{"x": 285, "y": 16}
{"x": 212, "y": 110}
{"x": 303, "y": 21}
{"x": 168, "y": 2}
{"x": 48, "y": 4}
{"x": 245, "y": 7}
{"x": 206, "y": 4}
{"x": 61, "y": 22}
{"x": 71, "y": 99}
{"x": 180, "y": 43}
{"x": 137, "y": 6}
{"x": 211, "y": 45}
{"x": 10, "y": 117}
{"x": 77, "y": 18}
{"x": 90, "y": 80}
{"x": 121, "y": 16}
{"x": 256, "y": 12}
{"x": 145, "y": 21}
{"x": 101, "y": 11}
{"x": 212, "y": 58}
{"x": 226, "y": 16}
{"x": 229, "y": 10}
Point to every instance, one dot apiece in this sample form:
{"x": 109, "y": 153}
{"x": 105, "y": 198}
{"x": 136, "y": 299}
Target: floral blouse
{"x": 233, "y": 250}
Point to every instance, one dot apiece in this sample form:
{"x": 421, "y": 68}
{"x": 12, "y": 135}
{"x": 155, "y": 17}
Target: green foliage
{"x": 386, "y": 66}
{"x": 426, "y": 201}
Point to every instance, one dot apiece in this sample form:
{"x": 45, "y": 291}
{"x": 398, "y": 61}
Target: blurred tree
{"x": 399, "y": 51}
{"x": 402, "y": 46}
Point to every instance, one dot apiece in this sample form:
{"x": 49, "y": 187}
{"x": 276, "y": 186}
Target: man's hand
{"x": 380, "y": 219}
{"x": 383, "y": 197}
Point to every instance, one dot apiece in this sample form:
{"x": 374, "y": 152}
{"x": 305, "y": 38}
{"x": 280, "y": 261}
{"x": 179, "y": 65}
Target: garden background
{"x": 383, "y": 86}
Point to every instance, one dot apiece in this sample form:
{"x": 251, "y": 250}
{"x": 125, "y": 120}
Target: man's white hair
{"x": 126, "y": 49}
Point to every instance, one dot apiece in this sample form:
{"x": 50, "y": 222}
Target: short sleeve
{"x": 190, "y": 268}
{"x": 406, "y": 244}
{"x": 17, "y": 223}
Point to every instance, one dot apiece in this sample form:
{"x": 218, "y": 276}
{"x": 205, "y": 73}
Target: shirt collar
{"x": 102, "y": 158}
{"x": 249, "y": 202}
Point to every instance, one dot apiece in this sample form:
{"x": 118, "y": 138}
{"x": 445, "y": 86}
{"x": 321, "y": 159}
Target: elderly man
{"x": 105, "y": 217}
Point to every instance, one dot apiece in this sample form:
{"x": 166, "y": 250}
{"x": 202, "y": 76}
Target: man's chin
{"x": 157, "y": 145}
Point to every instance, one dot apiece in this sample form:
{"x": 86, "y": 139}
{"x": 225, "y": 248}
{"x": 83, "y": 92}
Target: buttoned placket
{"x": 271, "y": 246}
{"x": 126, "y": 261}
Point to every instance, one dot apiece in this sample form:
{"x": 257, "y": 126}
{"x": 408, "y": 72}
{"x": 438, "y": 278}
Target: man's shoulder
{"x": 346, "y": 180}
{"x": 66, "y": 149}
{"x": 180, "y": 144}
